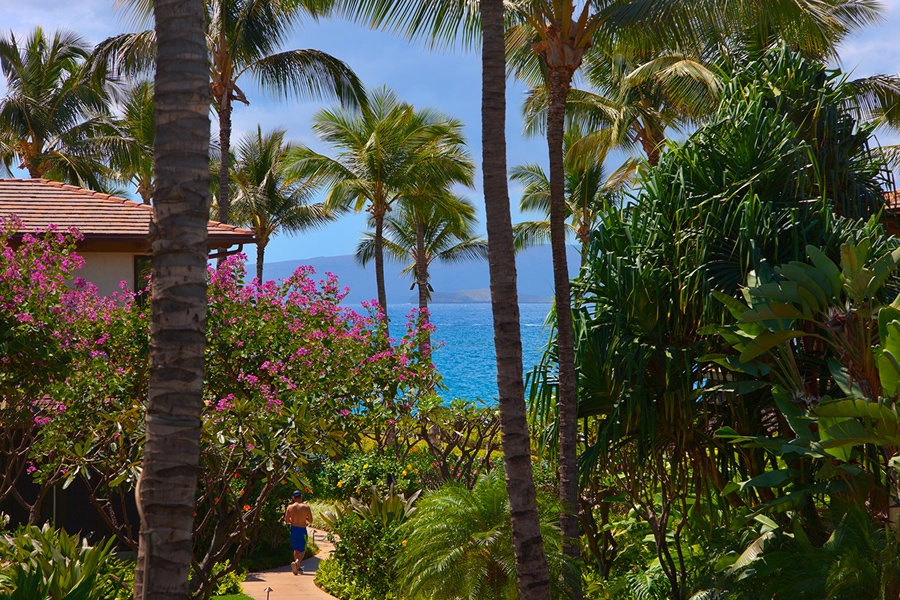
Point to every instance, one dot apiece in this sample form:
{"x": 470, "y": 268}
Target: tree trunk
{"x": 567, "y": 397}
{"x": 531, "y": 562}
{"x": 167, "y": 486}
{"x": 260, "y": 257}
{"x": 422, "y": 284}
{"x": 225, "y": 156}
{"x": 379, "y": 268}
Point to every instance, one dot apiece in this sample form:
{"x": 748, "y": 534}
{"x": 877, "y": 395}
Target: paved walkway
{"x": 284, "y": 585}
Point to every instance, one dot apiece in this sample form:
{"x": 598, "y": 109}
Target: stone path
{"x": 284, "y": 585}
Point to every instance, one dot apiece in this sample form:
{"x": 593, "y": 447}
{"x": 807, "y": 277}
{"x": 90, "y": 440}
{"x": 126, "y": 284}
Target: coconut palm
{"x": 266, "y": 200}
{"x": 56, "y": 104}
{"x": 244, "y": 37}
{"x": 131, "y": 156}
{"x": 167, "y": 488}
{"x": 589, "y": 188}
{"x": 387, "y": 151}
{"x": 459, "y": 543}
{"x": 532, "y": 571}
{"x": 425, "y": 232}
{"x": 633, "y": 99}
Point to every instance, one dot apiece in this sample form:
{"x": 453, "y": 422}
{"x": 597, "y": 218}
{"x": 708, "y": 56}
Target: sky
{"x": 447, "y": 80}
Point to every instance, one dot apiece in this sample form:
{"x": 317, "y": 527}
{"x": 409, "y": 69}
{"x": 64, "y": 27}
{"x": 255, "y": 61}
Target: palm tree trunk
{"x": 422, "y": 284}
{"x": 167, "y": 487}
{"x": 531, "y": 561}
{"x": 225, "y": 149}
{"x": 379, "y": 269}
{"x": 260, "y": 257}
{"x": 567, "y": 397}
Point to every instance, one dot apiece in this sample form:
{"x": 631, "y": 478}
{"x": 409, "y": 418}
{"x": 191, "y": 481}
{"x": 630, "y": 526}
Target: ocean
{"x": 465, "y": 333}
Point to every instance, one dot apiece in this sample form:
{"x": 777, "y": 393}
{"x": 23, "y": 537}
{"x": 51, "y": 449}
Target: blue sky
{"x": 445, "y": 80}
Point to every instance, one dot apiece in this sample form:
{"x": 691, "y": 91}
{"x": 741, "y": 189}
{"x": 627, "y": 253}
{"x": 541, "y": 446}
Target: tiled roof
{"x": 99, "y": 217}
{"x": 892, "y": 200}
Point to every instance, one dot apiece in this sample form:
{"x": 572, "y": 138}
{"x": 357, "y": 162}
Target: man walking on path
{"x": 298, "y": 516}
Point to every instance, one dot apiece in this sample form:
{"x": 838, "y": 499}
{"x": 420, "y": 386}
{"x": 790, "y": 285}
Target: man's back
{"x": 298, "y": 514}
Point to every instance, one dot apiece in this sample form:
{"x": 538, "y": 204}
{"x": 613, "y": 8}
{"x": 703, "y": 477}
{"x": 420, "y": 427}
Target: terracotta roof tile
{"x": 892, "y": 200}
{"x": 39, "y": 203}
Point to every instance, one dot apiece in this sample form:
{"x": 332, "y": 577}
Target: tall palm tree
{"x": 589, "y": 189}
{"x": 425, "y": 232}
{"x": 168, "y": 482}
{"x": 533, "y": 576}
{"x": 243, "y": 38}
{"x": 56, "y": 104}
{"x": 387, "y": 151}
{"x": 265, "y": 199}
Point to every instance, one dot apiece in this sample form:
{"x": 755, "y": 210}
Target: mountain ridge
{"x": 451, "y": 282}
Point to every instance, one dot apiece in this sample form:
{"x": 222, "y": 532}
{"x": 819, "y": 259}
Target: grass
{"x": 318, "y": 507}
{"x": 232, "y": 597}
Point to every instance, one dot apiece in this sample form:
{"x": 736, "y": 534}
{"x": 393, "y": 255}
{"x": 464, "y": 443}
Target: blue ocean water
{"x": 466, "y": 358}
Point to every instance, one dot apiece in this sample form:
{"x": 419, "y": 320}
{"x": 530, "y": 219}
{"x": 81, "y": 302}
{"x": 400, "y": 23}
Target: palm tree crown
{"x": 55, "y": 107}
{"x": 244, "y": 38}
{"x": 265, "y": 199}
{"x": 590, "y": 187}
{"x": 388, "y": 153}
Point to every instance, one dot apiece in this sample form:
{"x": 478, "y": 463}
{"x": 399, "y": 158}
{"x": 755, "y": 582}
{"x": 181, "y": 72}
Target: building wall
{"x": 107, "y": 269}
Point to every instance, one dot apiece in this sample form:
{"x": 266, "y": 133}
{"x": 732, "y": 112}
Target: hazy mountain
{"x": 463, "y": 282}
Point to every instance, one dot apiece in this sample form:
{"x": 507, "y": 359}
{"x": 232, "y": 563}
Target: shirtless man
{"x": 298, "y": 516}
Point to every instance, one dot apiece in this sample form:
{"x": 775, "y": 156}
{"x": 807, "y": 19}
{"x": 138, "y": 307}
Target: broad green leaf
{"x": 771, "y": 479}
{"x": 827, "y": 267}
{"x": 765, "y": 342}
{"x": 881, "y": 270}
{"x": 842, "y": 378}
{"x": 839, "y": 435}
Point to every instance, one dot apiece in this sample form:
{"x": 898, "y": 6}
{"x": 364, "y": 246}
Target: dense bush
{"x": 366, "y": 542}
{"x": 41, "y": 562}
{"x": 357, "y": 474}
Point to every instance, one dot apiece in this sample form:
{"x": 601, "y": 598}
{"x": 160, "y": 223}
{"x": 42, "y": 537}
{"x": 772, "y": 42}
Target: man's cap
{"x": 296, "y": 493}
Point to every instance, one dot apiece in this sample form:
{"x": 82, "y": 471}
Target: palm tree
{"x": 459, "y": 543}
{"x": 131, "y": 157}
{"x": 387, "y": 151}
{"x": 243, "y": 38}
{"x": 635, "y": 98}
{"x": 167, "y": 487}
{"x": 56, "y": 104}
{"x": 266, "y": 200}
{"x": 425, "y": 232}
{"x": 533, "y": 575}
{"x": 589, "y": 189}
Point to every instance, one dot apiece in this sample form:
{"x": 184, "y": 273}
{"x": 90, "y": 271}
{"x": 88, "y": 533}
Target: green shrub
{"x": 356, "y": 474}
{"x": 42, "y": 562}
{"x": 230, "y": 583}
{"x": 366, "y": 541}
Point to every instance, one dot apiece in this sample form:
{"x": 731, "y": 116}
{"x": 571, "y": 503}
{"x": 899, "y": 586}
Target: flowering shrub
{"x": 286, "y": 365}
{"x": 51, "y": 323}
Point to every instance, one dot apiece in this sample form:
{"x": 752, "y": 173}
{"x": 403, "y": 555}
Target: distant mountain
{"x": 463, "y": 282}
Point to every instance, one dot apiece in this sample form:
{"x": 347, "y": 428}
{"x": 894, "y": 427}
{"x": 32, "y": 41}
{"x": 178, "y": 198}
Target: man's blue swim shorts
{"x": 298, "y": 538}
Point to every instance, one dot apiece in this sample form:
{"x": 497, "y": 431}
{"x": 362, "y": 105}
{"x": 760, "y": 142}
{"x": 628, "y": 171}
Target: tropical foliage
{"x": 266, "y": 200}
{"x": 56, "y": 108}
{"x": 742, "y": 195}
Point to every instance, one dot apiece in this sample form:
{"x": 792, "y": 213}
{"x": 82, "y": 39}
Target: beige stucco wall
{"x": 107, "y": 269}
